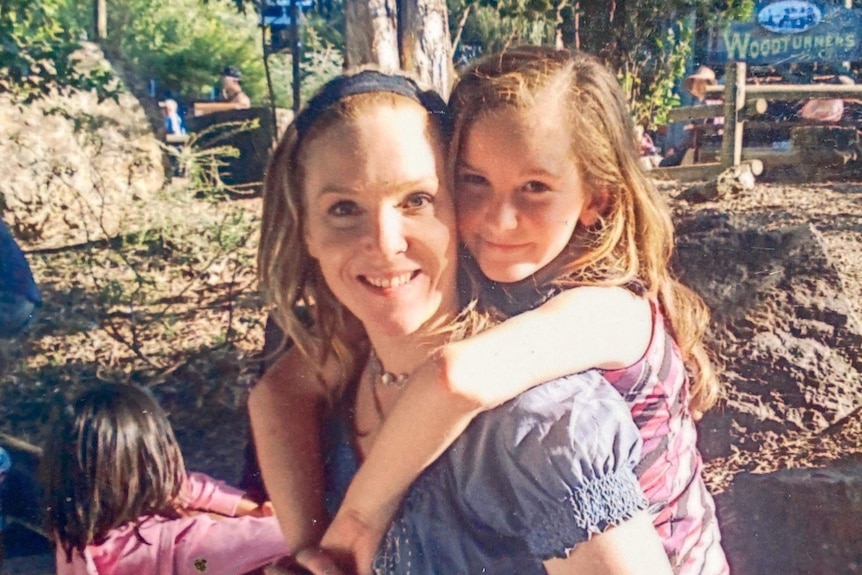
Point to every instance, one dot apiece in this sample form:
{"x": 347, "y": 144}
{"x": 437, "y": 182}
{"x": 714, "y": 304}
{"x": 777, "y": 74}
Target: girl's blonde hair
{"x": 293, "y": 285}
{"x": 632, "y": 242}
{"x": 111, "y": 459}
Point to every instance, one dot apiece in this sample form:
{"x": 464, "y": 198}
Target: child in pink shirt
{"x": 121, "y": 502}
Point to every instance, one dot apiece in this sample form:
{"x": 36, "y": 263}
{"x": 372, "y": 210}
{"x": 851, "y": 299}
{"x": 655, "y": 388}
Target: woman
{"x": 359, "y": 225}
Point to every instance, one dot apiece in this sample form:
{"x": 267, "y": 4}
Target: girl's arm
{"x": 219, "y": 546}
{"x": 632, "y": 548}
{"x": 285, "y": 409}
{"x": 582, "y": 328}
{"x": 203, "y": 493}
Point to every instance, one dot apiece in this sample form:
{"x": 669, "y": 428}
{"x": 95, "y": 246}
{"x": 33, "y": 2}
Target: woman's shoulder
{"x": 551, "y": 466}
{"x": 578, "y": 422}
{"x": 580, "y": 396}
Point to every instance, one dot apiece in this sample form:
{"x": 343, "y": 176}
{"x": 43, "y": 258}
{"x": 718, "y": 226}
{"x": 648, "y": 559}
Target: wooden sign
{"x": 790, "y": 31}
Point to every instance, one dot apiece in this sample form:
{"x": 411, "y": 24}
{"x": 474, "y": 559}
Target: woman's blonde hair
{"x": 293, "y": 285}
{"x": 632, "y": 242}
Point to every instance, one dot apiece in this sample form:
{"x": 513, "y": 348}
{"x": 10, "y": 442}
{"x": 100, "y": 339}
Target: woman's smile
{"x": 389, "y": 282}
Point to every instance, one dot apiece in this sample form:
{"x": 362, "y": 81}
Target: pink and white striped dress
{"x": 670, "y": 470}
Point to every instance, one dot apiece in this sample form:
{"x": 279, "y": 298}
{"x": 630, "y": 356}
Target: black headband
{"x": 366, "y": 82}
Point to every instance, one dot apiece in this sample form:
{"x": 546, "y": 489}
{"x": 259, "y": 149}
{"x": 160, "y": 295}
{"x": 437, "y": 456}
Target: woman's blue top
{"x": 526, "y": 482}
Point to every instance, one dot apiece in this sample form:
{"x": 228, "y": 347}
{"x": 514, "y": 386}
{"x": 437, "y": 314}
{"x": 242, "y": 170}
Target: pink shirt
{"x": 185, "y": 546}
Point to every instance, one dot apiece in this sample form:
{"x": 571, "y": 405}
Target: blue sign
{"x": 789, "y": 16}
{"x": 276, "y": 15}
{"x": 791, "y": 31}
{"x": 304, "y": 4}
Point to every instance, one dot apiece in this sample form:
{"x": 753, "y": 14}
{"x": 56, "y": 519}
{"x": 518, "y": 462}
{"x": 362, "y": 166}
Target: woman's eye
{"x": 343, "y": 208}
{"x": 468, "y": 179}
{"x": 418, "y": 200}
{"x": 536, "y": 187}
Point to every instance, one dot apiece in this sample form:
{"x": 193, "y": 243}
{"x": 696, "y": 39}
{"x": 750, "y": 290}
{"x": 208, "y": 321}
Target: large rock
{"x": 781, "y": 324}
{"x": 75, "y": 168}
{"x": 794, "y": 521}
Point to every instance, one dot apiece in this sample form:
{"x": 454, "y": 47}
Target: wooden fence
{"x": 741, "y": 102}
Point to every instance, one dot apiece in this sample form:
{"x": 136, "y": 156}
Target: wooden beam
{"x": 734, "y": 101}
{"x": 802, "y": 91}
{"x": 687, "y": 173}
{"x": 689, "y": 113}
{"x": 703, "y": 171}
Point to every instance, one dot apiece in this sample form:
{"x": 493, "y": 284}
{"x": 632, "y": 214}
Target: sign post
{"x": 284, "y": 19}
{"x": 296, "y": 49}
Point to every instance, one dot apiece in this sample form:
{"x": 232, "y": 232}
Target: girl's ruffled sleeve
{"x": 557, "y": 467}
{"x": 205, "y": 493}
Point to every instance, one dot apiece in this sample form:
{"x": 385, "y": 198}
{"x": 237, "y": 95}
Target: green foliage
{"x": 646, "y": 42}
{"x": 200, "y": 163}
{"x": 38, "y": 42}
{"x": 321, "y": 61}
{"x": 185, "y": 44}
{"x": 491, "y": 25}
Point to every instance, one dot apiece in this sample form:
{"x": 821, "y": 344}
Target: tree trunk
{"x": 100, "y": 20}
{"x": 410, "y": 35}
{"x": 425, "y": 43}
{"x": 371, "y": 34}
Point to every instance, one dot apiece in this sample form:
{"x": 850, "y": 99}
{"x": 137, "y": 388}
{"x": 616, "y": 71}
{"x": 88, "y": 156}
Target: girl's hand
{"x": 353, "y": 541}
{"x": 318, "y": 562}
{"x": 253, "y": 509}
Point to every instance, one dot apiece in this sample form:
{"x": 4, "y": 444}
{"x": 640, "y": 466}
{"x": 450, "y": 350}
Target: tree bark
{"x": 410, "y": 35}
{"x": 425, "y": 43}
{"x": 371, "y": 34}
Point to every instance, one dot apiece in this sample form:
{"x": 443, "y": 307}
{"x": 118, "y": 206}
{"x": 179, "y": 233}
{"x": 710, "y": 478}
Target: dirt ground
{"x": 835, "y": 209}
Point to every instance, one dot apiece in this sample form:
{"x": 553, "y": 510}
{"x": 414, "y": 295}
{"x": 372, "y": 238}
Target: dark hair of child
{"x": 111, "y": 459}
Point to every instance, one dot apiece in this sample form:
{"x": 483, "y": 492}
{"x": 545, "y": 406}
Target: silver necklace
{"x": 387, "y": 378}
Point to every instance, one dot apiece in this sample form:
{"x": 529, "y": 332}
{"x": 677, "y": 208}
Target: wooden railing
{"x": 741, "y": 102}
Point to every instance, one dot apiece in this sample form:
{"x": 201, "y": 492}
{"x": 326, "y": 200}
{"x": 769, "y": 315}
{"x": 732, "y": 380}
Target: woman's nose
{"x": 388, "y": 234}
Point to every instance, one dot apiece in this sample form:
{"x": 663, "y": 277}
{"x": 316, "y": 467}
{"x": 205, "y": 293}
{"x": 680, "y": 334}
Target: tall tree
{"x": 100, "y": 19}
{"x": 411, "y": 35}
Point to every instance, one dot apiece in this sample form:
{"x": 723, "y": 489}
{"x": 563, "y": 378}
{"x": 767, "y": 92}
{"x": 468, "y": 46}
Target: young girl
{"x": 119, "y": 499}
{"x": 561, "y": 220}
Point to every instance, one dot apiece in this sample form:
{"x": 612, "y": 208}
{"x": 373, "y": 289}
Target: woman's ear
{"x": 595, "y": 207}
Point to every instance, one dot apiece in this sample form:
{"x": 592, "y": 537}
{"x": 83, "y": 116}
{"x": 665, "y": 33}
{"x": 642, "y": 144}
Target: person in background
{"x": 173, "y": 122}
{"x": 19, "y": 300}
{"x": 696, "y": 84}
{"x": 19, "y": 295}
{"x": 649, "y": 156}
{"x": 231, "y": 87}
{"x": 826, "y": 110}
{"x": 119, "y": 499}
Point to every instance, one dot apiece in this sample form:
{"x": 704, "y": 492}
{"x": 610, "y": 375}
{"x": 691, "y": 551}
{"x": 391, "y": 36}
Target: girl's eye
{"x": 536, "y": 187}
{"x": 343, "y": 209}
{"x": 418, "y": 200}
